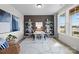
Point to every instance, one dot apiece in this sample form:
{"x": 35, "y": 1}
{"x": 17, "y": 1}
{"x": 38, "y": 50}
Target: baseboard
{"x": 74, "y": 50}
{"x": 21, "y": 40}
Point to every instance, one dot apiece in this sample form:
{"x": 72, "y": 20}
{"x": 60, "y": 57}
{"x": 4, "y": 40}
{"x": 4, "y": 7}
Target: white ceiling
{"x": 30, "y": 9}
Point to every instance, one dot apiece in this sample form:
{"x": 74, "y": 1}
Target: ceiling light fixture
{"x": 39, "y": 5}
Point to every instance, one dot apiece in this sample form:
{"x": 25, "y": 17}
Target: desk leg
{"x": 35, "y": 36}
{"x": 42, "y": 36}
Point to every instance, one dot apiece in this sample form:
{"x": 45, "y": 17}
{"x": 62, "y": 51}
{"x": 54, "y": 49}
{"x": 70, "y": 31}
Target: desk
{"x": 42, "y": 33}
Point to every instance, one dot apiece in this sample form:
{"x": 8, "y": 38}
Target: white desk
{"x": 39, "y": 32}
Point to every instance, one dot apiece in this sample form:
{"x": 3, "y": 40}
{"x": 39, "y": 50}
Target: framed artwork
{"x": 15, "y": 23}
{"x": 5, "y": 21}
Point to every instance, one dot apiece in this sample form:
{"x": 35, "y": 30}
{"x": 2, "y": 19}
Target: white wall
{"x": 67, "y": 38}
{"x": 12, "y": 10}
{"x": 3, "y": 26}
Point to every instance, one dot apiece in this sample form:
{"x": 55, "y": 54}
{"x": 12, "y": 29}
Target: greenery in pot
{"x": 11, "y": 38}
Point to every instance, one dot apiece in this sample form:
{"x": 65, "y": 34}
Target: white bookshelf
{"x": 28, "y": 28}
{"x": 48, "y": 27}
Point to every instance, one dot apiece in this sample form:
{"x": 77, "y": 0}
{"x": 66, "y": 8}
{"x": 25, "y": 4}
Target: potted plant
{"x": 11, "y": 38}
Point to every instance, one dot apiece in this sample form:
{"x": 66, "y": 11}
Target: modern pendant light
{"x": 39, "y": 5}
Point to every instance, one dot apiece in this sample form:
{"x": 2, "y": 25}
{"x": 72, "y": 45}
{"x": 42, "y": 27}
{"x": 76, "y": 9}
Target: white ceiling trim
{"x": 30, "y": 9}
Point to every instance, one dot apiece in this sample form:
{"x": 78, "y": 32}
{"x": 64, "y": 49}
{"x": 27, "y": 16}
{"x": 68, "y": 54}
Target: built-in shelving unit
{"x": 28, "y": 28}
{"x": 49, "y": 27}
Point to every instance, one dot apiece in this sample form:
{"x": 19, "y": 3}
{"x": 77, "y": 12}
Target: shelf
{"x": 48, "y": 22}
{"x": 26, "y": 33}
{"x": 28, "y": 22}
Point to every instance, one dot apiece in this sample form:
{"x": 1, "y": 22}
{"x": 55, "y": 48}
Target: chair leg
{"x": 33, "y": 37}
{"x": 45, "y": 36}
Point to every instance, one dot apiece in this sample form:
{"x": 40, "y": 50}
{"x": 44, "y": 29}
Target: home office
{"x": 39, "y": 28}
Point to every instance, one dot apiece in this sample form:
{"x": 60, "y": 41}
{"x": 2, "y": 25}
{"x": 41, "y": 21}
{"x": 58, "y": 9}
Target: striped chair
{"x": 3, "y": 44}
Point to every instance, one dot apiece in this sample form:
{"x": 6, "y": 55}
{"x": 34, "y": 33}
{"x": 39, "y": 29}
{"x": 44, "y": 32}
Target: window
{"x": 61, "y": 23}
{"x": 39, "y": 24}
{"x": 74, "y": 14}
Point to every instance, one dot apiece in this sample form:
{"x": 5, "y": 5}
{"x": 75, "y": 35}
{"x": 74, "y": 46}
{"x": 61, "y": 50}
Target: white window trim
{"x": 65, "y": 22}
{"x": 71, "y": 22}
